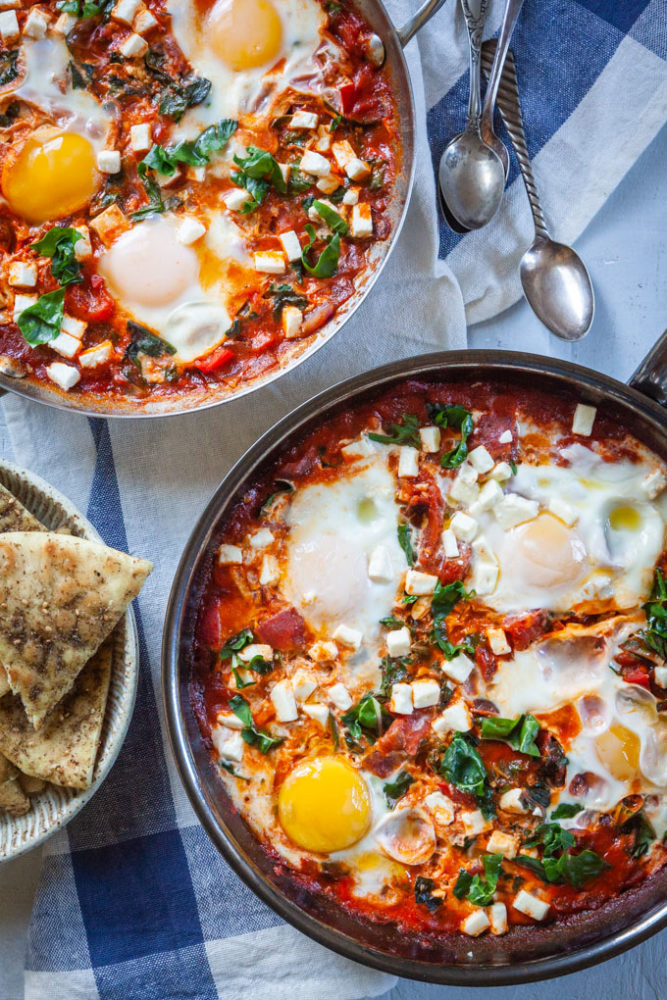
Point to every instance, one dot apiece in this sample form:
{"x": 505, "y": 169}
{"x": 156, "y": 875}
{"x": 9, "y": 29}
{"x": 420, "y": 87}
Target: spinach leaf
{"x": 240, "y": 683}
{"x": 327, "y": 263}
{"x": 59, "y": 244}
{"x": 577, "y": 869}
{"x": 181, "y": 96}
{"x": 396, "y": 789}
{"x": 367, "y": 718}
{"x": 463, "y": 767}
{"x": 405, "y": 541}
{"x": 260, "y": 665}
{"x": 451, "y": 651}
{"x": 552, "y": 837}
{"x": 284, "y": 295}
{"x": 145, "y": 342}
{"x": 424, "y": 894}
{"x": 643, "y": 833}
{"x": 453, "y": 415}
{"x": 259, "y": 171}
{"x": 519, "y": 733}
{"x": 404, "y": 432}
{"x": 236, "y": 642}
{"x": 280, "y": 486}
{"x": 86, "y": 8}
{"x": 478, "y": 890}
{"x": 445, "y": 598}
{"x": 194, "y": 152}
{"x": 334, "y": 221}
{"x": 654, "y": 637}
{"x": 393, "y": 671}
{"x": 10, "y": 114}
{"x": 41, "y": 322}
{"x": 152, "y": 189}
{"x": 390, "y": 622}
{"x": 253, "y": 737}
{"x": 565, "y": 810}
{"x": 8, "y": 66}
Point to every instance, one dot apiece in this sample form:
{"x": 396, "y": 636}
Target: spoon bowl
{"x": 472, "y": 179}
{"x": 558, "y": 288}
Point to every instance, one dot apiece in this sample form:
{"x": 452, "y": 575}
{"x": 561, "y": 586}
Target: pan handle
{"x": 418, "y": 20}
{"x": 651, "y": 375}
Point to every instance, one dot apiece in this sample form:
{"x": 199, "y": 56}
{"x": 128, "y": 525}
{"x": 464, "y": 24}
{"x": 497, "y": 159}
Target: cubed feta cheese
{"x": 347, "y": 636}
{"x": 109, "y": 224}
{"x": 229, "y": 720}
{"x": 505, "y": 437}
{"x": 442, "y": 808}
{"x": 425, "y": 692}
{"x": 22, "y": 302}
{"x": 270, "y": 262}
{"x": 327, "y": 185}
{"x": 339, "y": 696}
{"x": 401, "y": 699}
{"x": 64, "y": 24}
{"x": 475, "y": 923}
{"x": 351, "y": 196}
{"x": 474, "y": 822}
{"x": 96, "y": 355}
{"x": 83, "y": 248}
{"x": 654, "y": 483}
{"x": 361, "y": 225}
{"x": 22, "y": 274}
{"x": 361, "y": 447}
{"x": 464, "y": 488}
{"x": 511, "y": 801}
{"x": 503, "y": 843}
{"x": 484, "y": 571}
{"x": 418, "y": 583}
{"x": 455, "y": 718}
{"x": 498, "y": 641}
{"x": 583, "y": 420}
{"x": 314, "y": 213}
{"x": 513, "y": 509}
{"x": 189, "y": 230}
{"x": 261, "y": 649}
{"x": 261, "y": 539}
{"x": 303, "y": 685}
{"x": 292, "y": 322}
{"x": 323, "y": 142}
{"x": 75, "y": 327}
{"x": 380, "y": 569}
{"x": 270, "y": 572}
{"x": 562, "y": 510}
{"x": 463, "y": 526}
{"x": 9, "y": 25}
{"x": 35, "y": 24}
{"x": 501, "y": 472}
{"x": 144, "y": 22}
{"x": 315, "y": 164}
{"x": 498, "y": 918}
{"x": 449, "y": 544}
{"x": 399, "y": 641}
{"x": 343, "y": 153}
{"x": 430, "y": 438}
{"x": 304, "y": 119}
{"x": 65, "y": 345}
{"x": 319, "y": 713}
{"x": 660, "y": 675}
{"x": 323, "y": 652}
{"x": 459, "y": 669}
{"x": 134, "y": 45}
{"x": 357, "y": 170}
{"x": 229, "y": 744}
{"x": 291, "y": 245}
{"x": 284, "y": 702}
{"x": 531, "y": 905}
{"x": 489, "y": 496}
{"x": 480, "y": 460}
{"x": 408, "y": 461}
{"x": 125, "y": 10}
{"x": 140, "y": 137}
{"x": 235, "y": 199}
{"x": 229, "y": 554}
{"x": 63, "y": 375}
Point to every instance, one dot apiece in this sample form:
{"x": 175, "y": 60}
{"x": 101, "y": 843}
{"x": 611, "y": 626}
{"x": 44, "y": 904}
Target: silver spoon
{"x": 510, "y": 17}
{"x": 554, "y": 277}
{"x": 471, "y": 174}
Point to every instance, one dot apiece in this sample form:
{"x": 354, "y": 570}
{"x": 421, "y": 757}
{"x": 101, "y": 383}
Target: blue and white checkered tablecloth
{"x": 133, "y": 901}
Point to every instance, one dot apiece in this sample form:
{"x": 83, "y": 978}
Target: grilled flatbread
{"x": 14, "y": 516}
{"x": 64, "y": 750}
{"x": 12, "y": 797}
{"x": 60, "y": 597}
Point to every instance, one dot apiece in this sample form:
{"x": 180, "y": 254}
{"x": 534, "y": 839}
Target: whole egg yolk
{"x": 52, "y": 176}
{"x": 548, "y": 552}
{"x": 618, "y": 749}
{"x": 323, "y": 805}
{"x": 246, "y": 34}
{"x": 625, "y": 518}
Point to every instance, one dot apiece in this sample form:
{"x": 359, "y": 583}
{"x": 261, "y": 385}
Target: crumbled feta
{"x": 315, "y": 164}
{"x": 35, "y": 24}
{"x": 318, "y": 712}
{"x": 304, "y": 119}
{"x": 9, "y": 25}
{"x": 484, "y": 571}
{"x": 292, "y": 322}
{"x": 357, "y": 170}
{"x": 464, "y": 488}
{"x": 489, "y": 496}
{"x": 75, "y": 327}
{"x": 399, "y": 642}
{"x": 511, "y": 801}
{"x": 475, "y": 923}
{"x": 449, "y": 544}
{"x": 505, "y": 437}
{"x": 361, "y": 225}
{"x": 22, "y": 274}
{"x": 380, "y": 569}
{"x": 430, "y": 438}
{"x": 284, "y": 702}
{"x": 442, "y": 808}
{"x": 401, "y": 699}
{"x": 270, "y": 262}
{"x": 134, "y": 45}
{"x": 583, "y": 420}
{"x": 343, "y": 153}
{"x": 480, "y": 459}
{"x": 189, "y": 230}
{"x": 235, "y": 199}
{"x": 109, "y": 223}
{"x": 503, "y": 843}
{"x": 327, "y": 185}
{"x": 96, "y": 355}
{"x": 63, "y": 375}
{"x": 228, "y": 743}
{"x": 351, "y": 196}
{"x": 323, "y": 652}
{"x": 418, "y": 583}
{"x": 144, "y": 22}
{"x": 64, "y": 24}
{"x": 323, "y": 142}
{"x": 498, "y": 641}
{"x": 513, "y": 509}
{"x": 340, "y": 697}
{"x": 531, "y": 905}
{"x": 303, "y": 685}
{"x": 455, "y": 718}
{"x": 254, "y": 649}
{"x": 498, "y": 918}
{"x": 22, "y": 302}
{"x": 408, "y": 461}
{"x": 425, "y": 693}
{"x": 65, "y": 345}
{"x": 464, "y": 526}
{"x": 291, "y": 245}
{"x": 229, "y": 554}
{"x": 108, "y": 161}
{"x": 501, "y": 472}
{"x": 125, "y": 10}
{"x": 654, "y": 483}
{"x": 660, "y": 675}
{"x": 83, "y": 248}
{"x": 348, "y": 636}
{"x": 270, "y": 572}
{"x": 459, "y": 669}
{"x": 261, "y": 539}
{"x": 361, "y": 447}
{"x": 474, "y": 822}
{"x": 563, "y": 510}
{"x": 229, "y": 720}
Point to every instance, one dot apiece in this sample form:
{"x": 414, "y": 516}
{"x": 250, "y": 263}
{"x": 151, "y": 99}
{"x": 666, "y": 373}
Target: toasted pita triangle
{"x": 60, "y": 597}
{"x": 64, "y": 750}
{"x": 12, "y": 797}
{"x": 14, "y": 516}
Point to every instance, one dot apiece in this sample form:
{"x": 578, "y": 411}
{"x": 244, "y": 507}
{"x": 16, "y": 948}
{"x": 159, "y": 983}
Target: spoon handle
{"x": 509, "y": 106}
{"x": 510, "y": 17}
{"x": 475, "y": 25}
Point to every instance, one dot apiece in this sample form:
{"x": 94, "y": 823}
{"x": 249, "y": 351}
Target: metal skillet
{"x": 393, "y": 40}
{"x": 524, "y": 954}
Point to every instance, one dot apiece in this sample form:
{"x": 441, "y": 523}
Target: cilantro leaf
{"x": 41, "y": 322}
{"x": 59, "y": 244}
{"x": 654, "y": 637}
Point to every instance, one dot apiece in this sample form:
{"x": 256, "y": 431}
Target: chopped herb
{"x": 145, "y": 342}
{"x": 453, "y": 415}
{"x": 558, "y": 864}
{"x": 298, "y": 182}
{"x": 79, "y": 81}
{"x": 59, "y": 244}
{"x": 334, "y": 221}
{"x": 552, "y": 837}
{"x": 194, "y": 152}
{"x": 155, "y": 203}
{"x": 479, "y": 891}
{"x": 643, "y": 833}
{"x": 338, "y": 195}
{"x": 253, "y": 737}
{"x": 240, "y": 683}
{"x": 396, "y": 789}
{"x": 8, "y": 66}
{"x": 333, "y": 729}
{"x": 446, "y": 597}
{"x": 450, "y": 650}
{"x": 519, "y": 733}
{"x": 335, "y": 122}
{"x": 327, "y": 263}
{"x": 424, "y": 894}
{"x": 260, "y": 665}
{"x": 10, "y": 114}
{"x": 405, "y": 541}
{"x": 284, "y": 295}
{"x": 376, "y": 179}
{"x": 41, "y": 322}
{"x": 393, "y": 670}
{"x": 566, "y": 810}
{"x": 367, "y": 718}
{"x": 654, "y": 637}
{"x": 236, "y": 642}
{"x": 280, "y": 486}
{"x": 409, "y": 598}
{"x": 259, "y": 171}
{"x": 333, "y": 8}
{"x": 86, "y": 8}
{"x": 391, "y": 622}
{"x": 180, "y": 97}
{"x": 405, "y": 432}
{"x": 513, "y": 467}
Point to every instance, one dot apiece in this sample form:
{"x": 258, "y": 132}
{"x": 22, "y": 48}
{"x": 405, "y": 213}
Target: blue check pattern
{"x": 132, "y": 901}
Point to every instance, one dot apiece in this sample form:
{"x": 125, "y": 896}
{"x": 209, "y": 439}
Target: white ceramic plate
{"x": 56, "y": 806}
